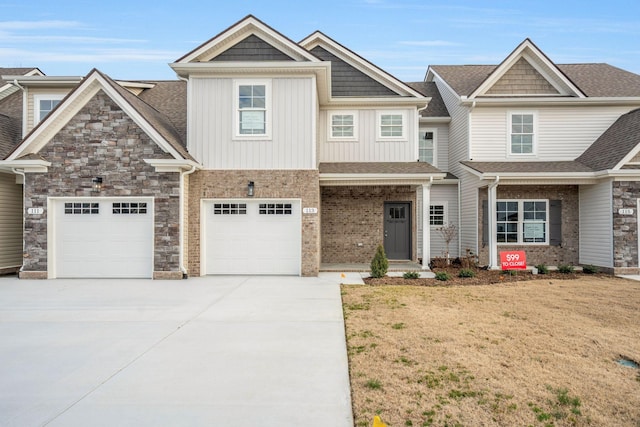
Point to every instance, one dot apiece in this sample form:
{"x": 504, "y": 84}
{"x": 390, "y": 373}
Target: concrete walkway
{"x": 213, "y": 351}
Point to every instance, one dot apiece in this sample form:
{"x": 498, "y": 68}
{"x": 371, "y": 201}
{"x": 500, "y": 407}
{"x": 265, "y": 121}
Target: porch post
{"x": 426, "y": 228}
{"x": 492, "y": 222}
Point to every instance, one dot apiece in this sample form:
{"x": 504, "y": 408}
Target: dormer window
{"x": 252, "y": 108}
{"x": 522, "y": 133}
{"x": 43, "y": 105}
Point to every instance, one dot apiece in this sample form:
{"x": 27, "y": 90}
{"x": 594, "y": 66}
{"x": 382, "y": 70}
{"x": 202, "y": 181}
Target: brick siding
{"x": 277, "y": 184}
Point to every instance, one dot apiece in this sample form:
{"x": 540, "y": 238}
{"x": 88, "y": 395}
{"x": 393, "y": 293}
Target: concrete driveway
{"x": 212, "y": 351}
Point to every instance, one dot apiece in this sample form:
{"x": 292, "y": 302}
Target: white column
{"x": 491, "y": 234}
{"x": 426, "y": 227}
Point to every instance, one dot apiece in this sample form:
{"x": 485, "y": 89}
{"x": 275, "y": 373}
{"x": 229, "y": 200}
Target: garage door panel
{"x": 106, "y": 242}
{"x": 251, "y": 242}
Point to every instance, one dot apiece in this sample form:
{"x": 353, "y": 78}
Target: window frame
{"x": 521, "y": 221}
{"x": 268, "y": 110}
{"x": 402, "y": 114}
{"x": 423, "y": 131}
{"x": 43, "y": 97}
{"x": 534, "y": 138}
{"x": 330, "y": 115}
{"x": 445, "y": 214}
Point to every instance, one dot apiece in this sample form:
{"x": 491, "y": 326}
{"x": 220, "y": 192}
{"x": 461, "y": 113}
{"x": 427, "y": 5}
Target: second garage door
{"x": 252, "y": 237}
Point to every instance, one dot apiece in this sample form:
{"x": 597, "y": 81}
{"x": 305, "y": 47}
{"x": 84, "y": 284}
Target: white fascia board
{"x": 361, "y": 64}
{"x": 239, "y": 32}
{"x": 234, "y": 67}
{"x": 626, "y": 159}
{"x": 172, "y": 165}
{"x": 553, "y": 100}
{"x": 25, "y": 165}
{"x": 529, "y": 175}
{"x": 137, "y": 85}
{"x": 46, "y": 81}
{"x": 620, "y": 174}
{"x": 381, "y": 177}
{"x": 341, "y": 102}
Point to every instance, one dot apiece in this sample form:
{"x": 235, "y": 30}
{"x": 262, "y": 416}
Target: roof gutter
{"x": 561, "y": 101}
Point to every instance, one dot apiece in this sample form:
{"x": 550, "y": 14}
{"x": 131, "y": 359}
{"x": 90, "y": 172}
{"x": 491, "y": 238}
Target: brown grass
{"x": 526, "y": 353}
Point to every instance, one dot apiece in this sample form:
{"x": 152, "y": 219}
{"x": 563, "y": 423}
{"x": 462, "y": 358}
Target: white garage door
{"x": 104, "y": 238}
{"x": 252, "y": 237}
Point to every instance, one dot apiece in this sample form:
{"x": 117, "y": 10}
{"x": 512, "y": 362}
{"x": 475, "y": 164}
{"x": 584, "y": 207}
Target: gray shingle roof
{"x": 528, "y": 167}
{"x": 614, "y": 144}
{"x": 15, "y": 71}
{"x": 169, "y": 98}
{"x": 594, "y": 80}
{"x": 436, "y": 107}
{"x": 9, "y": 134}
{"x": 378, "y": 168}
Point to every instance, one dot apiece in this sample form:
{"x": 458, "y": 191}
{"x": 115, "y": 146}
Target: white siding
{"x": 211, "y": 126}
{"x": 563, "y": 133}
{"x": 10, "y": 221}
{"x": 440, "y": 194}
{"x": 31, "y": 92}
{"x": 368, "y": 148}
{"x": 468, "y": 233}
{"x": 596, "y": 226}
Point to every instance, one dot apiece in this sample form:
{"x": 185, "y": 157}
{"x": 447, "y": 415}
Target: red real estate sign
{"x": 513, "y": 260}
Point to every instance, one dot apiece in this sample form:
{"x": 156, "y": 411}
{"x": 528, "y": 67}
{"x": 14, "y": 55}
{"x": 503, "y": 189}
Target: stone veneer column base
{"x": 167, "y": 275}
{"x": 34, "y": 275}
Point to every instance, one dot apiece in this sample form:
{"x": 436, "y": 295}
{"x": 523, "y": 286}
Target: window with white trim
{"x": 522, "y": 221}
{"x": 252, "y": 103}
{"x": 81, "y": 208}
{"x": 275, "y": 209}
{"x": 43, "y": 104}
{"x": 522, "y": 135}
{"x": 229, "y": 208}
{"x": 391, "y": 125}
{"x": 427, "y": 146}
{"x": 343, "y": 125}
{"x": 438, "y": 214}
{"x": 129, "y": 208}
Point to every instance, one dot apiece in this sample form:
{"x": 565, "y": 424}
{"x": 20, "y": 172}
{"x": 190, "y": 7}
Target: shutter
{"x": 485, "y": 223}
{"x": 555, "y": 222}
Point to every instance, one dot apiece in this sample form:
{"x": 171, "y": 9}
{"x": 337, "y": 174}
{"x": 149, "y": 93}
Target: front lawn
{"x": 515, "y": 353}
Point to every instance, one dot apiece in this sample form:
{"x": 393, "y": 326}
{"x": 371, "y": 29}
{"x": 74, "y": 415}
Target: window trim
{"x": 435, "y": 144}
{"x": 445, "y": 214}
{"x": 534, "y": 143}
{"x": 379, "y": 114}
{"x": 268, "y": 115}
{"x": 330, "y": 115}
{"x": 521, "y": 222}
{"x": 43, "y": 97}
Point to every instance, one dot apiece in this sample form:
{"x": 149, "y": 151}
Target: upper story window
{"x": 43, "y": 105}
{"x": 343, "y": 125}
{"x": 522, "y": 138}
{"x": 253, "y": 115}
{"x": 426, "y": 146}
{"x": 522, "y": 221}
{"x": 391, "y": 125}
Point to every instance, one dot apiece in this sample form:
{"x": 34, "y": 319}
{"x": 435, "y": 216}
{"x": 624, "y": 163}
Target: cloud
{"x": 89, "y": 56}
{"x": 428, "y": 43}
{"x": 39, "y": 25}
{"x": 7, "y": 37}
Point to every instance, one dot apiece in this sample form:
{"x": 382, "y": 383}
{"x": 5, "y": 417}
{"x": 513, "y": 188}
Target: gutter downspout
{"x": 492, "y": 225}
{"x": 24, "y": 183}
{"x": 24, "y": 105}
{"x": 182, "y": 225}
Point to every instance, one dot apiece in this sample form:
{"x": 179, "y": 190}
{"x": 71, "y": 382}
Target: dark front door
{"x": 397, "y": 230}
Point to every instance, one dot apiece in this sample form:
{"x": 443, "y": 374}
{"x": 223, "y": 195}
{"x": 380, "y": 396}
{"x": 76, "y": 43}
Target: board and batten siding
{"x": 596, "y": 224}
{"x": 367, "y": 147}
{"x": 10, "y": 222}
{"x": 446, "y": 194}
{"x": 563, "y": 133}
{"x": 211, "y": 126}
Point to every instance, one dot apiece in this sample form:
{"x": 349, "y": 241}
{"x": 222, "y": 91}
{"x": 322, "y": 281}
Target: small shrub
{"x": 565, "y": 268}
{"x": 542, "y": 269}
{"x": 411, "y": 275}
{"x": 589, "y": 269}
{"x": 379, "y": 263}
{"x": 466, "y": 272}
{"x": 438, "y": 262}
{"x": 443, "y": 276}
{"x": 510, "y": 272}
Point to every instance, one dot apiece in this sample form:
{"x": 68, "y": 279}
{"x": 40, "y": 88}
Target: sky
{"x": 135, "y": 40}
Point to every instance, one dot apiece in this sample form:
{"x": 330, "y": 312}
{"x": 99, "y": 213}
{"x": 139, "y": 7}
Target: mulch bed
{"x": 482, "y": 277}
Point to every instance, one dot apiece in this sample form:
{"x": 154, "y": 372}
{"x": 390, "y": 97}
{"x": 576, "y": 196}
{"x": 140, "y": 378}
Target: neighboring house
{"x": 275, "y": 157}
{"x": 546, "y": 155}
{"x": 11, "y": 184}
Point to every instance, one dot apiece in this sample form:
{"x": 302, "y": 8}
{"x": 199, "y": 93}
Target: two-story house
{"x": 269, "y": 156}
{"x": 546, "y": 156}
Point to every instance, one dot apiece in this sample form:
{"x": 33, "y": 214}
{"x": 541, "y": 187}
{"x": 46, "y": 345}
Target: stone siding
{"x": 353, "y": 221}
{"x": 101, "y": 140}
{"x": 568, "y": 252}
{"x": 625, "y": 227}
{"x": 276, "y": 184}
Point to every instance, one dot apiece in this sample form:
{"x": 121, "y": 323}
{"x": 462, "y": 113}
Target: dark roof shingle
{"x": 528, "y": 167}
{"x": 378, "y": 168}
{"x": 436, "y": 107}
